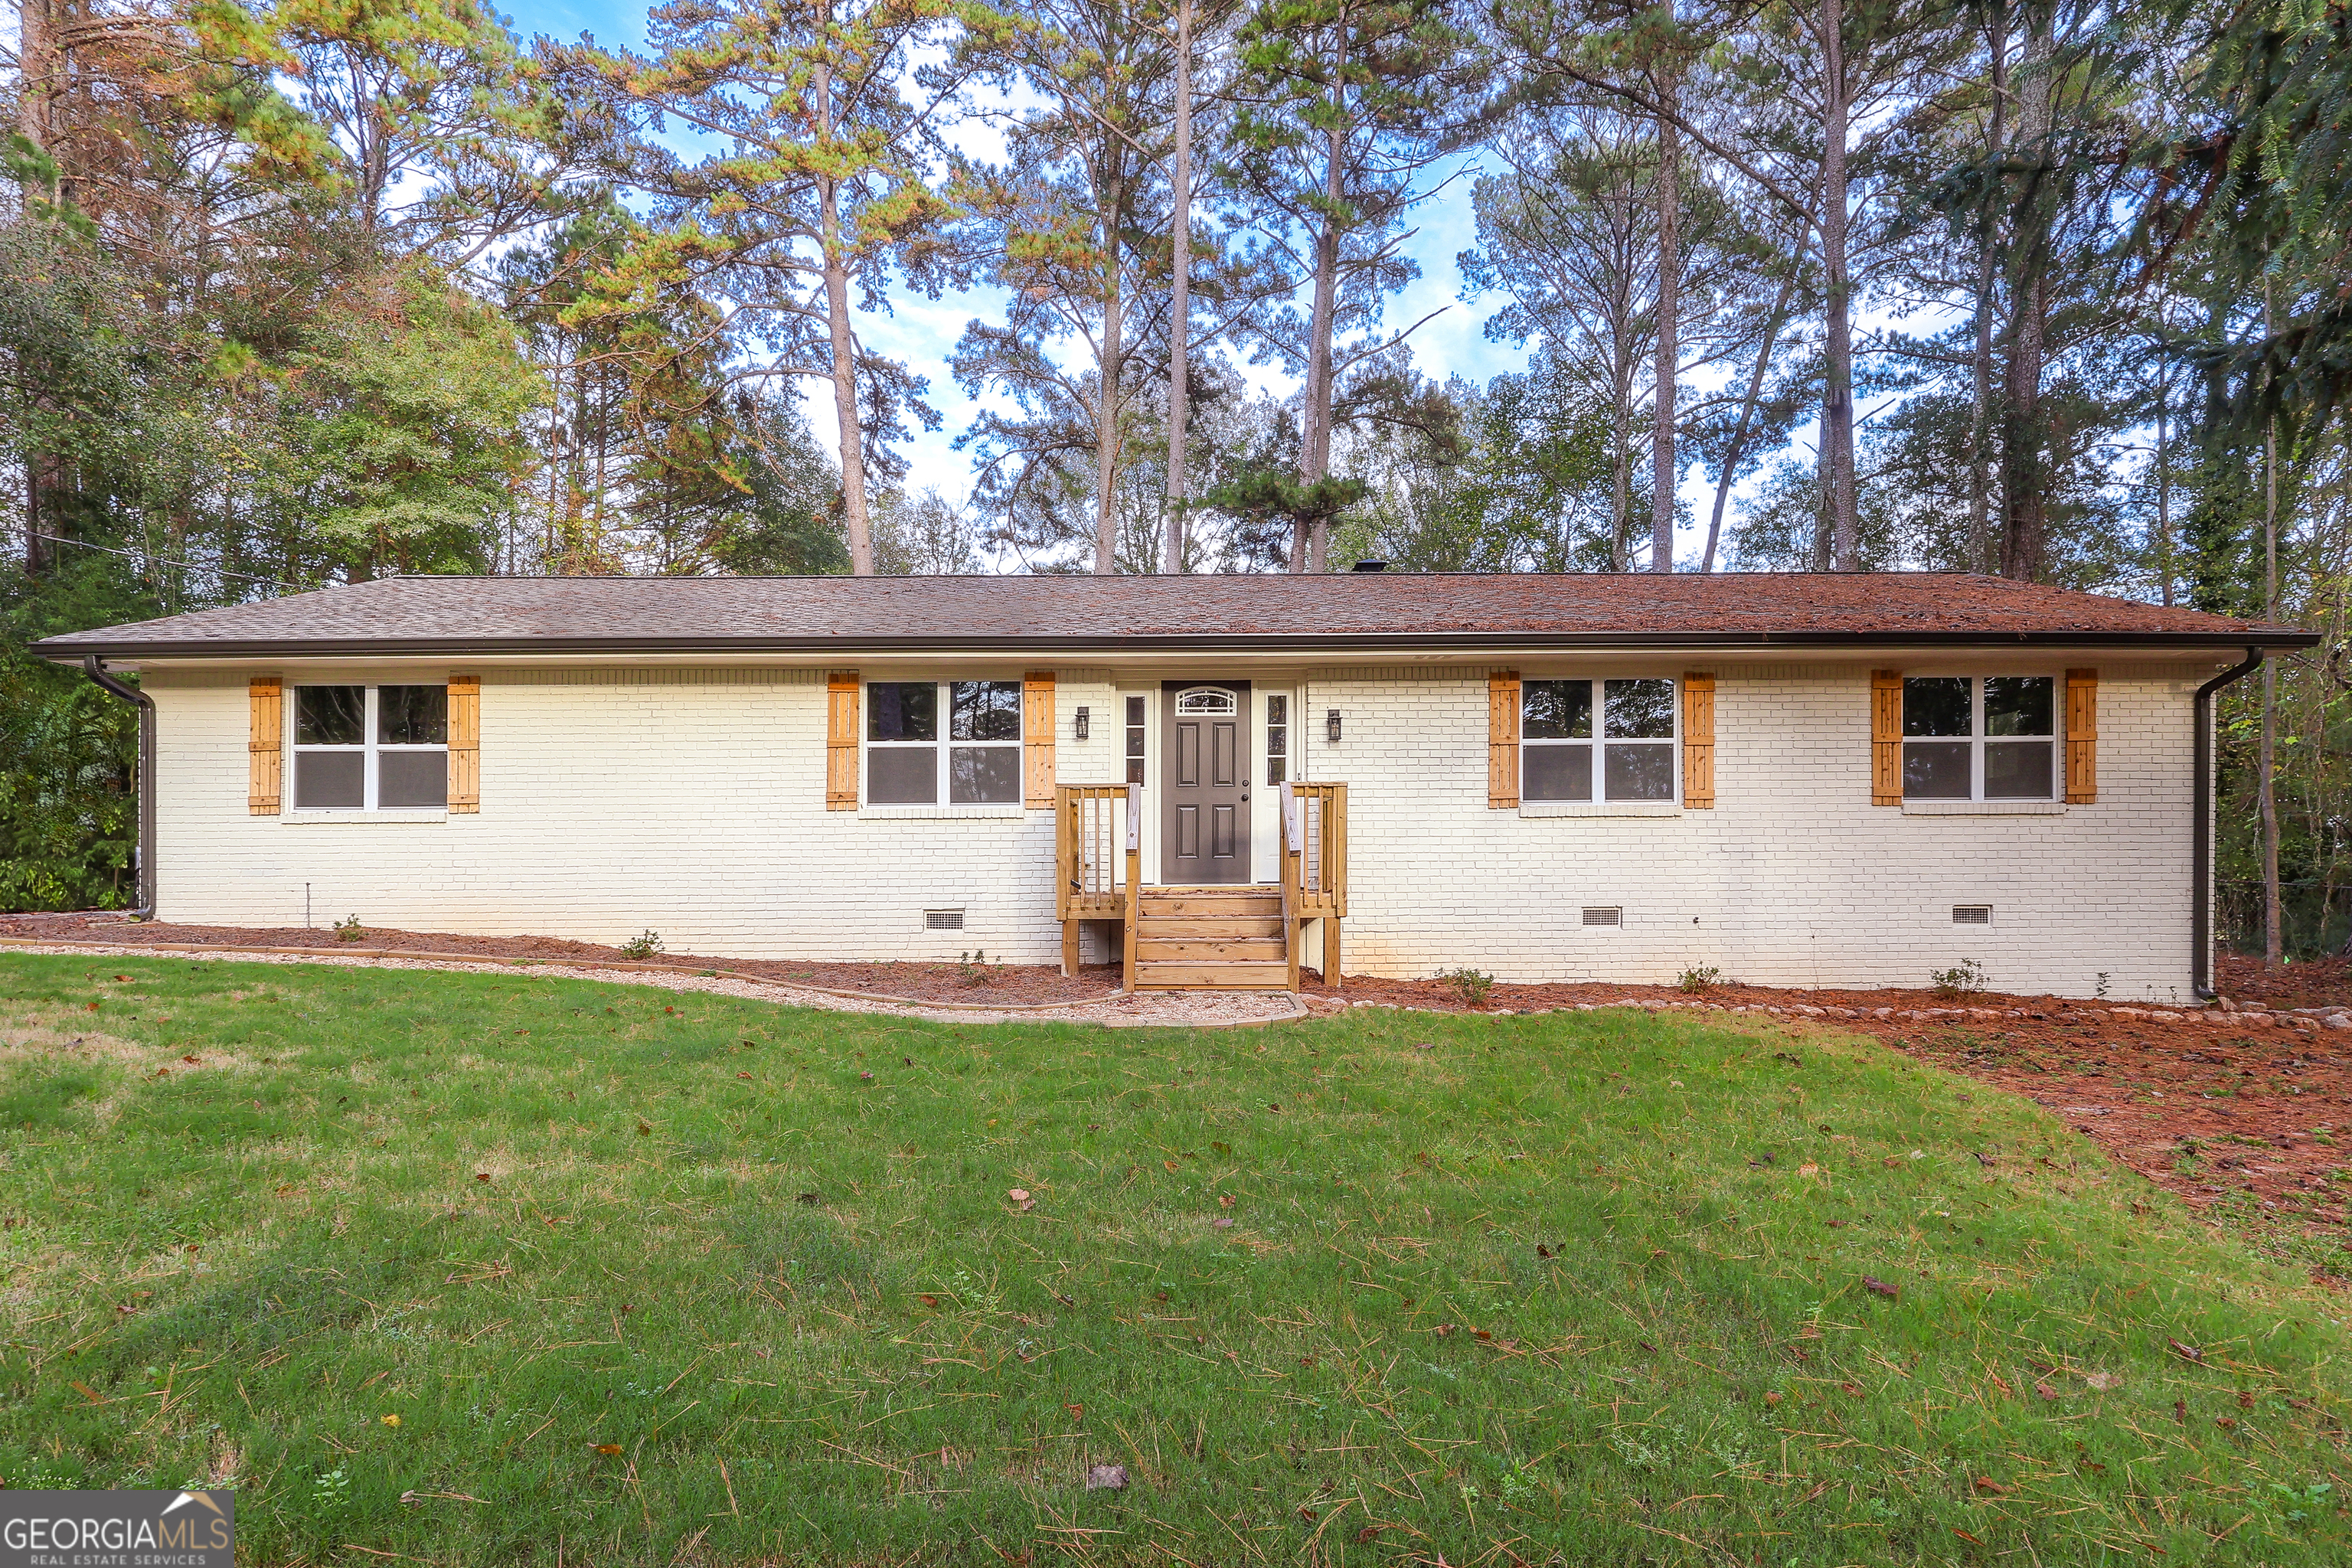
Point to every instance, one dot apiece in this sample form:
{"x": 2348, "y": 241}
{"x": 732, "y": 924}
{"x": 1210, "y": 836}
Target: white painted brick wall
{"x": 692, "y": 802}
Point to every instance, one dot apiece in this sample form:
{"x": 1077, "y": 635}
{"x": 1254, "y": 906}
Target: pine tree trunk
{"x": 36, "y": 75}
{"x": 1112, "y": 372}
{"x": 1731, "y": 471}
{"x": 1980, "y": 552}
{"x": 2025, "y": 511}
{"x": 1621, "y": 476}
{"x": 844, "y": 363}
{"x": 1663, "y": 467}
{"x": 1180, "y": 301}
{"x": 1315, "y": 454}
{"x": 1837, "y": 400}
{"x": 2274, "y": 934}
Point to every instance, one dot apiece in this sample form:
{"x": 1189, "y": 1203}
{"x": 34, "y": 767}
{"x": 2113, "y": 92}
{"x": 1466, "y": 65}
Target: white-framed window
{"x": 957, "y": 742}
{"x": 370, "y": 748}
{"x": 1135, "y": 735}
{"x": 1628, "y": 755}
{"x": 1212, "y": 701}
{"x": 1277, "y": 737}
{"x": 1968, "y": 737}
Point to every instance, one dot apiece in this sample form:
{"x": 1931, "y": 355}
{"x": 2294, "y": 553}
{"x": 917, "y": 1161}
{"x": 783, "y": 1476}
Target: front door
{"x": 1204, "y": 831}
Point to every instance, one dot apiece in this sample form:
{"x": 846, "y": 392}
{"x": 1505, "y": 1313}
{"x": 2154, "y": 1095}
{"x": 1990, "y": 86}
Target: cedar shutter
{"x": 1037, "y": 740}
{"x": 1887, "y": 737}
{"x": 2082, "y": 737}
{"x": 266, "y": 746}
{"x": 841, "y": 741}
{"x": 464, "y": 743}
{"x": 1698, "y": 741}
{"x": 1503, "y": 740}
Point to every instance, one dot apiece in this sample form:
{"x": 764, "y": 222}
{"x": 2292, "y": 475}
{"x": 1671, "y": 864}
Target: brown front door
{"x": 1204, "y": 826}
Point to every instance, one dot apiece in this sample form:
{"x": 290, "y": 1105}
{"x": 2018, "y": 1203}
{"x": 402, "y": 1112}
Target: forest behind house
{"x": 317, "y": 292}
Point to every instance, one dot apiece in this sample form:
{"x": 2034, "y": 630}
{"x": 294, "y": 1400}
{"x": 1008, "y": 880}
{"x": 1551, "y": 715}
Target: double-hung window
{"x": 1635, "y": 739}
{"x": 932, "y": 740}
{"x": 1980, "y": 737}
{"x": 367, "y": 748}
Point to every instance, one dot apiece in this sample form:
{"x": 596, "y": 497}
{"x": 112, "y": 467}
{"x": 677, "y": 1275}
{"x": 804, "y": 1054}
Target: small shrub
{"x": 1702, "y": 979}
{"x": 349, "y": 930}
{"x": 974, "y": 968}
{"x": 1473, "y": 985}
{"x": 1964, "y": 979}
{"x": 642, "y": 945}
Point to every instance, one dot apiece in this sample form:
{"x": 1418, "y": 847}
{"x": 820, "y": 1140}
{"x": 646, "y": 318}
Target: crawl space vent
{"x": 943, "y": 920}
{"x": 1608, "y": 917}
{"x": 1973, "y": 914}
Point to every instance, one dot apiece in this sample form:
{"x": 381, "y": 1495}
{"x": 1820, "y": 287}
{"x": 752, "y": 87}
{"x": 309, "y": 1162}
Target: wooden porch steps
{"x": 1225, "y": 938}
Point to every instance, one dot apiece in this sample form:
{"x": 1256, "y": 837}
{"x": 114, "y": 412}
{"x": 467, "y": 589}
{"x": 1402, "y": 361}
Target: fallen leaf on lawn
{"x": 811, "y": 1198}
{"x": 1224, "y": 1200}
{"x": 2227, "y": 1423}
{"x": 1771, "y": 1397}
{"x": 1442, "y": 1330}
{"x": 1964, "y": 1535}
{"x": 86, "y": 1392}
{"x": 1370, "y": 1533}
{"x": 1020, "y": 1198}
{"x": 2102, "y": 1381}
{"x": 1541, "y": 1250}
{"x": 644, "y": 1127}
{"x": 1220, "y": 1223}
{"x": 929, "y": 1300}
{"x": 1424, "y": 1045}
{"x": 2001, "y": 1382}
{"x": 864, "y": 1076}
{"x": 1877, "y": 1287}
{"x": 743, "y": 1075}
{"x": 1986, "y": 1484}
{"x": 1078, "y": 1412}
{"x": 1107, "y": 1479}
{"x": 2046, "y": 1392}
{"x": 481, "y": 1175}
{"x": 1851, "y": 1390}
{"x": 2186, "y": 1353}
{"x": 1809, "y": 1169}
{"x": 392, "y": 1420}
{"x": 608, "y": 1449}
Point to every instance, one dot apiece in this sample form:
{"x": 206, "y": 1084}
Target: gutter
{"x": 2200, "y": 872}
{"x": 143, "y": 851}
{"x": 1486, "y": 643}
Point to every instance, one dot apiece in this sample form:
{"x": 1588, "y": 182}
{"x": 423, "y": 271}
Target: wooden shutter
{"x": 1037, "y": 740}
{"x": 2082, "y": 737}
{"x": 465, "y": 744}
{"x": 1887, "y": 737}
{"x": 266, "y": 745}
{"x": 1698, "y": 741}
{"x": 841, "y": 741}
{"x": 1503, "y": 740}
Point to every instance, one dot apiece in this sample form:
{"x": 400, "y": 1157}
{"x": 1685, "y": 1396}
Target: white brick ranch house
{"x": 1795, "y": 779}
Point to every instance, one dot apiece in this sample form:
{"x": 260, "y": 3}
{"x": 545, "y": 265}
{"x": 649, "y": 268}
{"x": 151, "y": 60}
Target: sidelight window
{"x": 1277, "y": 738}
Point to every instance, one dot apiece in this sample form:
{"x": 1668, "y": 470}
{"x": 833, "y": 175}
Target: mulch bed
{"x": 1007, "y": 984}
{"x": 2264, "y": 1103}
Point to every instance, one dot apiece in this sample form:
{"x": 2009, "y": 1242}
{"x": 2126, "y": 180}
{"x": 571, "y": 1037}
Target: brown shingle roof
{"x": 472, "y": 616}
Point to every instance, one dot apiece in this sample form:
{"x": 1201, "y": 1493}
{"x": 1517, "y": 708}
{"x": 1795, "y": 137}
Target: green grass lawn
{"x": 498, "y": 1269}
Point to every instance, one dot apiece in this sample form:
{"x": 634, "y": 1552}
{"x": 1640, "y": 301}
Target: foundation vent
{"x": 943, "y": 920}
{"x": 1612, "y": 916}
{"x": 1973, "y": 914}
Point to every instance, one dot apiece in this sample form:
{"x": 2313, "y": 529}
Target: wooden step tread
{"x": 1238, "y": 974}
{"x": 1196, "y": 950}
{"x": 1173, "y": 927}
{"x": 1210, "y": 906}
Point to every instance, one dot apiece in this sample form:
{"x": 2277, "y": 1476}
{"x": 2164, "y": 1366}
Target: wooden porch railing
{"x": 1314, "y": 869}
{"x": 1097, "y": 853}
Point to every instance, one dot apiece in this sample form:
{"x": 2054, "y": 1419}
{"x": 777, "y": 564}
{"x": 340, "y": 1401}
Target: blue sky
{"x": 922, "y": 331}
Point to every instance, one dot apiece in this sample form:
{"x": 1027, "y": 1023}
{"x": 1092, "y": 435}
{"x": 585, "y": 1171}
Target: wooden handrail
{"x": 1320, "y": 832}
{"x": 1088, "y": 833}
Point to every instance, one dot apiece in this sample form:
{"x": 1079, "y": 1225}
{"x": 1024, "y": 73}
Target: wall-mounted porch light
{"x": 1331, "y": 724}
{"x": 1079, "y": 727}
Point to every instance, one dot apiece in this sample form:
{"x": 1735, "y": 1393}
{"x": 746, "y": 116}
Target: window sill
{"x": 1007, "y": 812}
{"x": 1601, "y": 808}
{"x": 1984, "y": 808}
{"x": 389, "y": 818}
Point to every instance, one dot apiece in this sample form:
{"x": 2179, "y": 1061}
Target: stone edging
{"x": 2336, "y": 1017}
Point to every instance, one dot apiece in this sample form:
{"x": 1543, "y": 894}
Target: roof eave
{"x": 481, "y": 648}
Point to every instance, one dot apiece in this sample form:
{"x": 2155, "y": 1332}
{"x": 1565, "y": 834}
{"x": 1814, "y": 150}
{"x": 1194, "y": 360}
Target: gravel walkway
{"x": 1170, "y": 1009}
